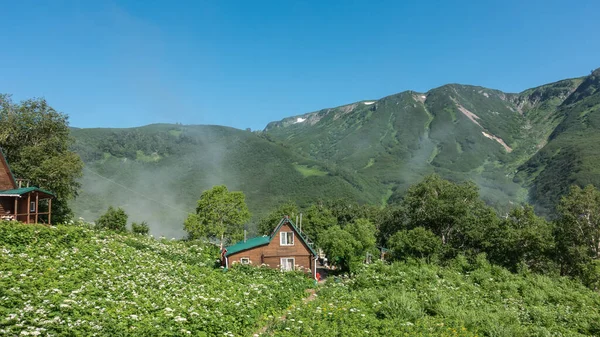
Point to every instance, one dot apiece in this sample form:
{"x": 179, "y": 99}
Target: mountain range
{"x": 518, "y": 147}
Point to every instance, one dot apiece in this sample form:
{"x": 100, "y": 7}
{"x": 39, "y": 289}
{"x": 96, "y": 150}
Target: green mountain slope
{"x": 572, "y": 153}
{"x": 461, "y": 132}
{"x": 156, "y": 173}
{"x": 520, "y": 147}
{"x": 458, "y": 131}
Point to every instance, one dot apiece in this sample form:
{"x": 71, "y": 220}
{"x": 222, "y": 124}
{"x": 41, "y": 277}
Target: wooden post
{"x": 16, "y": 211}
{"x": 37, "y": 205}
{"x": 49, "y": 209}
{"x": 28, "y": 206}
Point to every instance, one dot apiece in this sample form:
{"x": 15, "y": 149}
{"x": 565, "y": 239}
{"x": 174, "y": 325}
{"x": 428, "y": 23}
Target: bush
{"x": 113, "y": 219}
{"x": 141, "y": 228}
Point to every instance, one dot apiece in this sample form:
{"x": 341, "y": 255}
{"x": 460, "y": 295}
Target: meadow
{"x": 462, "y": 299}
{"x": 76, "y": 281}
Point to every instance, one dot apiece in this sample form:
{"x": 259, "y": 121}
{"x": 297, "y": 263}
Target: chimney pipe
{"x": 244, "y": 235}
{"x": 300, "y": 222}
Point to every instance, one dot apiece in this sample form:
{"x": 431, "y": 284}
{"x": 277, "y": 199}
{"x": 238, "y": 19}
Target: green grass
{"x": 370, "y": 163}
{"x": 462, "y": 300}
{"x": 307, "y": 171}
{"x": 141, "y": 156}
{"x": 175, "y": 133}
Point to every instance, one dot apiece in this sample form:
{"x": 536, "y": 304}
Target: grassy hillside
{"x": 157, "y": 173}
{"x": 73, "y": 281}
{"x": 462, "y": 300}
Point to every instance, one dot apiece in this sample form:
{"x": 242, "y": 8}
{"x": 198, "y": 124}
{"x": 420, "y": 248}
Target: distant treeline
{"x": 131, "y": 143}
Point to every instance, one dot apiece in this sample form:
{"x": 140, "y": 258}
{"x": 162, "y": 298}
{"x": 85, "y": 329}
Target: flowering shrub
{"x": 427, "y": 300}
{"x": 73, "y": 280}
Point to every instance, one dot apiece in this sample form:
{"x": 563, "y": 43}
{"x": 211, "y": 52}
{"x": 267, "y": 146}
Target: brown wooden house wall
{"x": 272, "y": 253}
{"x": 6, "y": 182}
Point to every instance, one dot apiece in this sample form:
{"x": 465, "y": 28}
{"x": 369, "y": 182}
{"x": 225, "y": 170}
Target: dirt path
{"x": 312, "y": 294}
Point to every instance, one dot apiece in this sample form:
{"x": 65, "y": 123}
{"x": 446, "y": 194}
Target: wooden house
{"x": 19, "y": 202}
{"x": 286, "y": 249}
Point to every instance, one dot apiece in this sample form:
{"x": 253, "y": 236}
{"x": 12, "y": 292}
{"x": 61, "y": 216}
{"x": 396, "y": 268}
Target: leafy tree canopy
{"x": 36, "y": 142}
{"x": 452, "y": 211}
{"x": 418, "y": 243}
{"x": 114, "y": 219}
{"x": 347, "y": 247}
{"x": 316, "y": 220}
{"x": 220, "y": 214}
{"x": 578, "y": 231}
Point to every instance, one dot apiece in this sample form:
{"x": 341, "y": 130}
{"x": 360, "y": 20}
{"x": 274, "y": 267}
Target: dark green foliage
{"x": 220, "y": 214}
{"x": 346, "y": 248}
{"x": 452, "y": 211}
{"x": 524, "y": 239}
{"x": 578, "y": 234}
{"x": 316, "y": 220}
{"x": 35, "y": 140}
{"x": 140, "y": 228}
{"x": 267, "y": 224}
{"x": 114, "y": 219}
{"x": 415, "y": 243}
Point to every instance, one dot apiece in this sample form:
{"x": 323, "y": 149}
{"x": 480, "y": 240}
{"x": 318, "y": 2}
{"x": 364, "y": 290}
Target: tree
{"x": 267, "y": 224}
{"x": 141, "y": 228}
{"x": 347, "y": 247}
{"x": 578, "y": 230}
{"x": 452, "y": 211}
{"x": 524, "y": 238}
{"x": 114, "y": 219}
{"x": 340, "y": 247}
{"x": 220, "y": 215}
{"x": 316, "y": 220}
{"x": 346, "y": 211}
{"x": 36, "y": 141}
{"x": 415, "y": 243}
{"x": 393, "y": 219}
{"x": 364, "y": 233}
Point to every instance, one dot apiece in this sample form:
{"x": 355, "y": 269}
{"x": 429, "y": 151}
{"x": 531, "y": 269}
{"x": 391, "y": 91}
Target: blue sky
{"x": 246, "y": 63}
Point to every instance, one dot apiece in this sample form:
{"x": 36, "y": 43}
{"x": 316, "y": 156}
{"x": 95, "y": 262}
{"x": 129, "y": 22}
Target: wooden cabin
{"x": 286, "y": 249}
{"x": 19, "y": 202}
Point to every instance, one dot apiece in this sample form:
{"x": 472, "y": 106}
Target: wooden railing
{"x": 32, "y": 217}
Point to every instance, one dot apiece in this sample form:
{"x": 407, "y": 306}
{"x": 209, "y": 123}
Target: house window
{"x": 286, "y": 238}
{"x": 287, "y": 263}
{"x": 245, "y": 260}
{"x": 32, "y": 206}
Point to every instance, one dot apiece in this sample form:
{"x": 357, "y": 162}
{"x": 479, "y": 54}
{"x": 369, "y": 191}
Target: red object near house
{"x": 286, "y": 249}
{"x": 21, "y": 203}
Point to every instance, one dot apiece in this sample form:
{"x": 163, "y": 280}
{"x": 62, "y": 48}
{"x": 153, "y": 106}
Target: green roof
{"x": 263, "y": 240}
{"x": 24, "y": 190}
{"x": 250, "y": 243}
